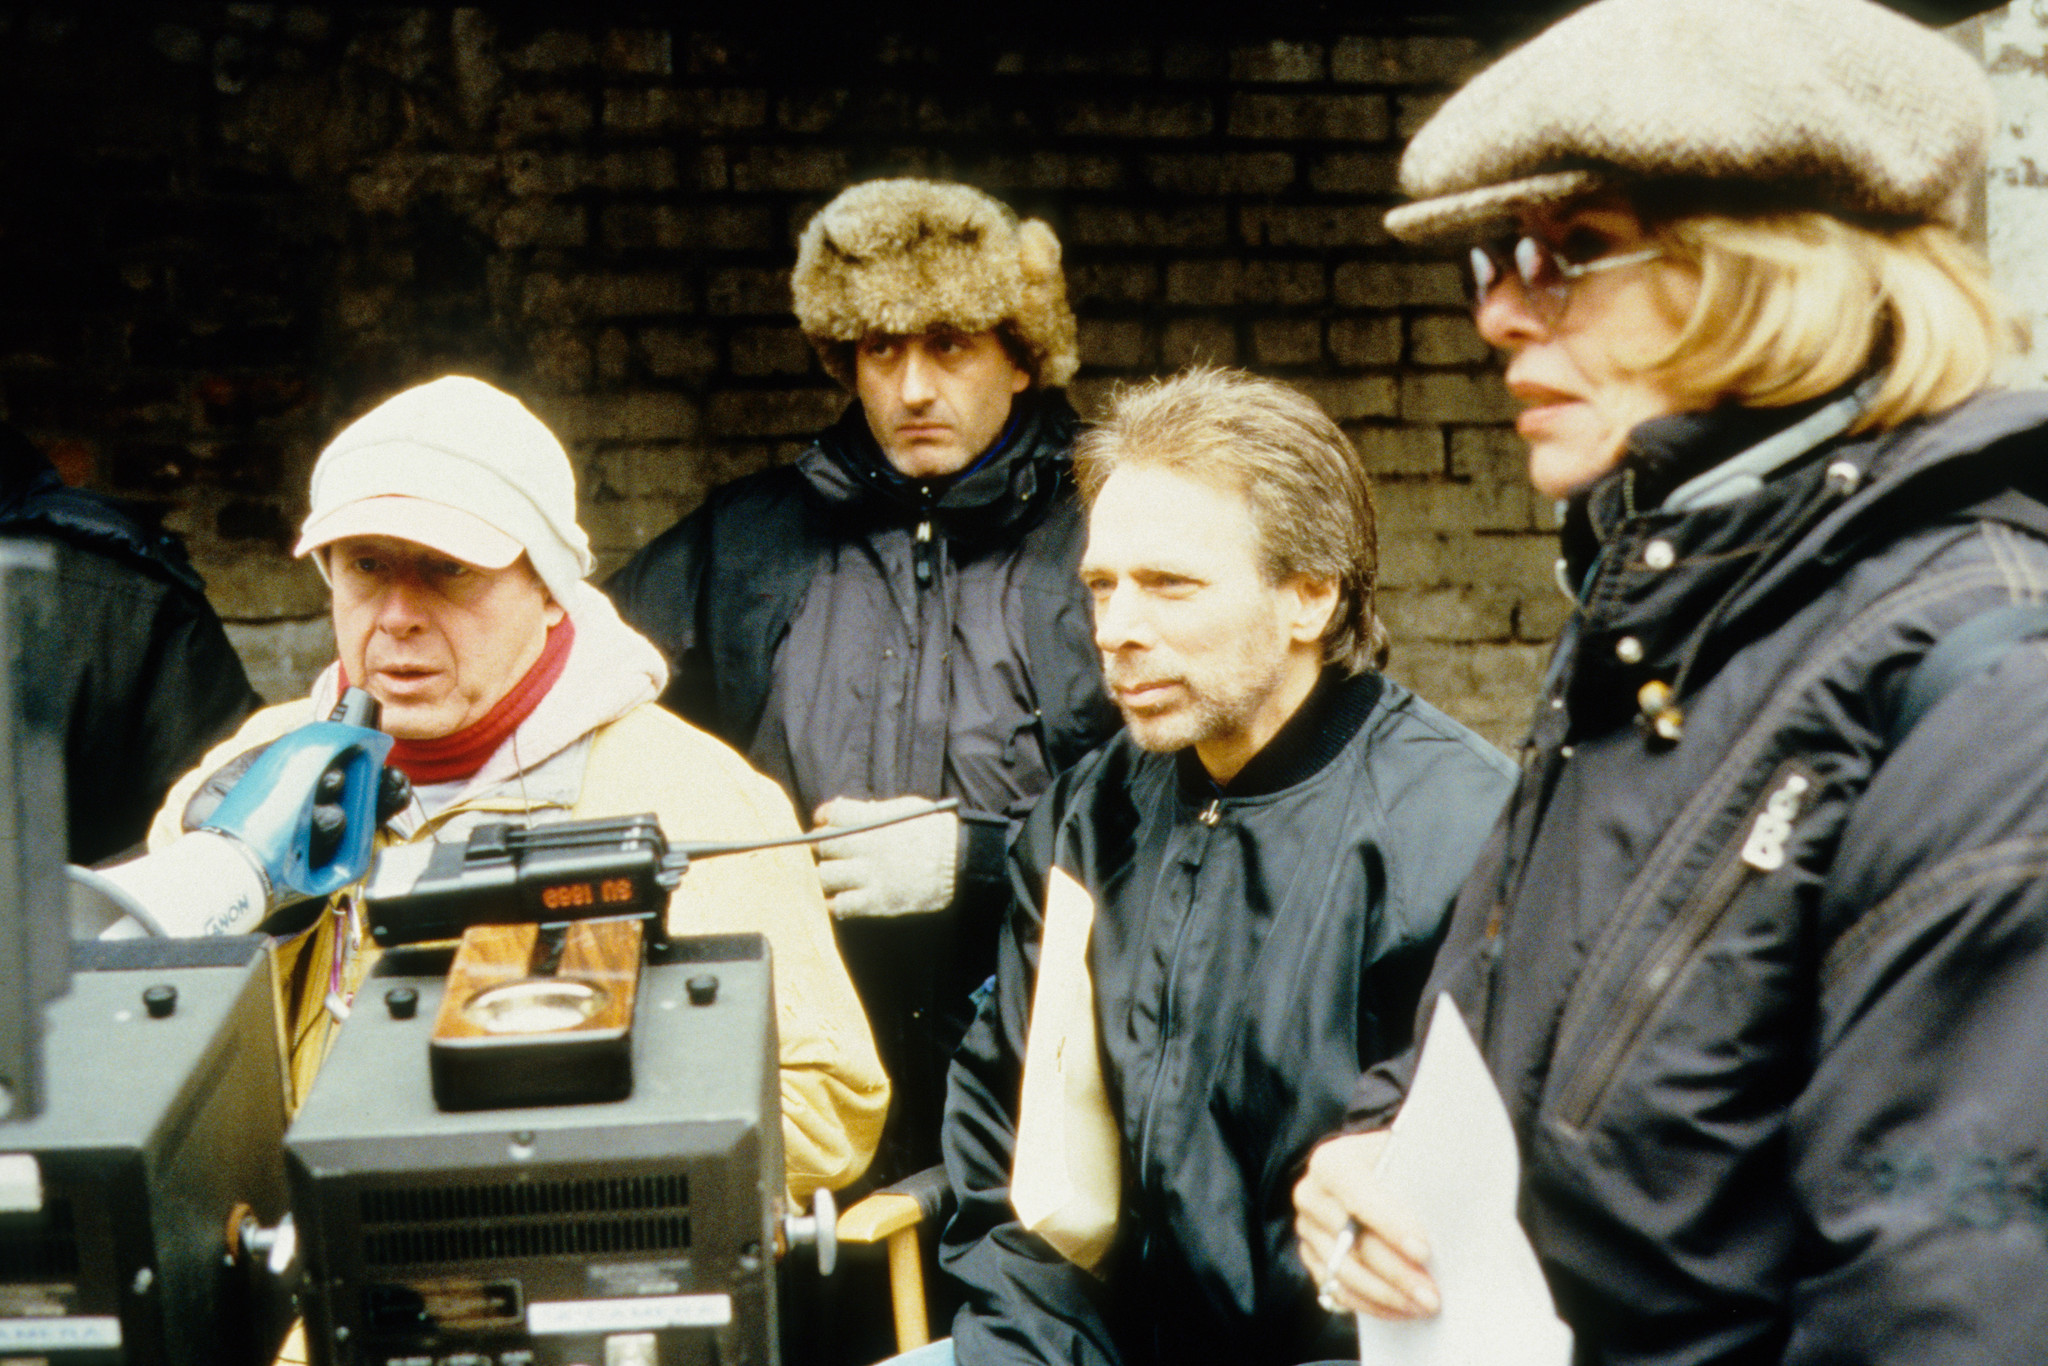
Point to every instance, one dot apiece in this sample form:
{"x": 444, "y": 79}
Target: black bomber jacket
{"x": 1252, "y": 947}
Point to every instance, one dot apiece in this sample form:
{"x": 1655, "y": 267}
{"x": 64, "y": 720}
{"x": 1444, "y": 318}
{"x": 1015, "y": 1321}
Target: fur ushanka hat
{"x": 907, "y": 256}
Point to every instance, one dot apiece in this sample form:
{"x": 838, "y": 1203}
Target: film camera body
{"x": 500, "y": 1166}
{"x": 141, "y": 1158}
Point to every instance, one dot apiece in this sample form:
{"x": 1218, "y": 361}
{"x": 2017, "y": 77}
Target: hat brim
{"x": 437, "y": 526}
{"x": 1471, "y": 215}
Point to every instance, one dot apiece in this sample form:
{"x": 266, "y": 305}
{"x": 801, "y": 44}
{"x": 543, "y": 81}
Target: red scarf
{"x": 460, "y": 755}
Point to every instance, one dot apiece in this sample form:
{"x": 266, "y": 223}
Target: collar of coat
{"x": 1002, "y": 495}
{"x": 1660, "y": 593}
{"x": 34, "y": 501}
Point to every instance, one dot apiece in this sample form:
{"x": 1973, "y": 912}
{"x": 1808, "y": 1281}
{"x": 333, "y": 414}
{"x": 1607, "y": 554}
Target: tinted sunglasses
{"x": 1546, "y": 278}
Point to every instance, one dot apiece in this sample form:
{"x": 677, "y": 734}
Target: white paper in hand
{"x": 1453, "y": 1163}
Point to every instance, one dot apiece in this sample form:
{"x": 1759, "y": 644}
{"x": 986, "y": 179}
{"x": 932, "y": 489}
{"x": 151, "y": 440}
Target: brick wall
{"x": 240, "y": 225}
{"x": 2013, "y": 44}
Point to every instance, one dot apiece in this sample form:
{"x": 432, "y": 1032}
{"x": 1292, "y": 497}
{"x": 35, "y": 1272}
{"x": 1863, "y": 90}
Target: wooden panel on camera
{"x": 538, "y": 1015}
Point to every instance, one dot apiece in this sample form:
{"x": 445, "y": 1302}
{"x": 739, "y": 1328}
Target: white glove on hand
{"x": 902, "y": 869}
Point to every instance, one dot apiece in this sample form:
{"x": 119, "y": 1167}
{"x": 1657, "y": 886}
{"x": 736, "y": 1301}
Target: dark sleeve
{"x": 981, "y": 884}
{"x": 1460, "y": 969}
{"x": 981, "y": 899}
{"x": 1445, "y": 822}
{"x": 660, "y": 594}
{"x": 1024, "y": 1303}
{"x": 1918, "y": 1148}
{"x": 154, "y": 683}
{"x": 200, "y": 691}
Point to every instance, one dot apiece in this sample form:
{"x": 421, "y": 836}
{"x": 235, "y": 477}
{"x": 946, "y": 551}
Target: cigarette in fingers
{"x": 1340, "y": 1248}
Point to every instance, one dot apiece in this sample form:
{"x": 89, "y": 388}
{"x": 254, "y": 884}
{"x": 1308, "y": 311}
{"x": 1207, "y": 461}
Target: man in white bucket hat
{"x": 444, "y": 521}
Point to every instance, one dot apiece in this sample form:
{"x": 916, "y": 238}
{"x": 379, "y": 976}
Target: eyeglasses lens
{"x": 1541, "y": 277}
{"x": 1486, "y": 273}
{"x": 1531, "y": 262}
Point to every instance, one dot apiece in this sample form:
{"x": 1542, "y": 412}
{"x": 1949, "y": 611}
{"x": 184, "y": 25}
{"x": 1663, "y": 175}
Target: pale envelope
{"x": 1452, "y": 1161}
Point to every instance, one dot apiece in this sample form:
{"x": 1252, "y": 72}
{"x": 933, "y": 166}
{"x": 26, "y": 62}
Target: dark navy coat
{"x": 1769, "y": 1002}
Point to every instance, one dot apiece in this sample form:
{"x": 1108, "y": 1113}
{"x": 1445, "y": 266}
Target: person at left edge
{"x": 147, "y": 676}
{"x": 444, "y": 522}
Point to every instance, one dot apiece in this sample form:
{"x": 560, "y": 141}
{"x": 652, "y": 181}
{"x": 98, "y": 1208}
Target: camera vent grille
{"x": 517, "y": 1199}
{"x": 416, "y": 1225}
{"x": 503, "y": 1242}
{"x": 47, "y": 1251}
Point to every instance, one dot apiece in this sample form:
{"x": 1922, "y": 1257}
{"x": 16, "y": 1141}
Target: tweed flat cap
{"x": 906, "y": 256}
{"x": 1841, "y": 105}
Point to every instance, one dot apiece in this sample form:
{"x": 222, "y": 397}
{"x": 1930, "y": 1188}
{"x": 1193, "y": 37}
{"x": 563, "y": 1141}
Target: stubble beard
{"x": 1219, "y": 704}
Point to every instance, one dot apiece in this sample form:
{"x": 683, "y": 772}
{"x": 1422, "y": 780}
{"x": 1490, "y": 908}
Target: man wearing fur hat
{"x": 444, "y": 522}
{"x": 896, "y": 616}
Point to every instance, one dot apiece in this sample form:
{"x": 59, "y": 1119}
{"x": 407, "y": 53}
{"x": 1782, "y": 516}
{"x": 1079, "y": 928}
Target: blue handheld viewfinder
{"x": 271, "y": 809}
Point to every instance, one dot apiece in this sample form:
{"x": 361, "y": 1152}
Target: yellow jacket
{"x": 834, "y": 1095}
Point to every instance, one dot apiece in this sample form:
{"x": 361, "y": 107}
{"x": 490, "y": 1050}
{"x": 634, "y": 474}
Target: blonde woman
{"x": 1758, "y": 957}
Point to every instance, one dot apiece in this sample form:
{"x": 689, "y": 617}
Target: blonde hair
{"x": 1794, "y": 305}
{"x": 1311, "y": 500}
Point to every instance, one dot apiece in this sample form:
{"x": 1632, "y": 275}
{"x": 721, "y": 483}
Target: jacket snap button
{"x": 1659, "y": 555}
{"x": 1628, "y": 650}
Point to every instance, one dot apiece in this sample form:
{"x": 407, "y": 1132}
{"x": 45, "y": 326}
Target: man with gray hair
{"x": 894, "y": 618}
{"x": 444, "y": 521}
{"x": 1217, "y": 916}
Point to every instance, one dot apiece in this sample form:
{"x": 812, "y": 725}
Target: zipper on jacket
{"x": 923, "y": 554}
{"x": 1208, "y": 817}
{"x": 1757, "y": 847}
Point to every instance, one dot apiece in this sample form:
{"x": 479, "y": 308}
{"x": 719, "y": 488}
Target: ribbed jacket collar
{"x": 1306, "y": 742}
